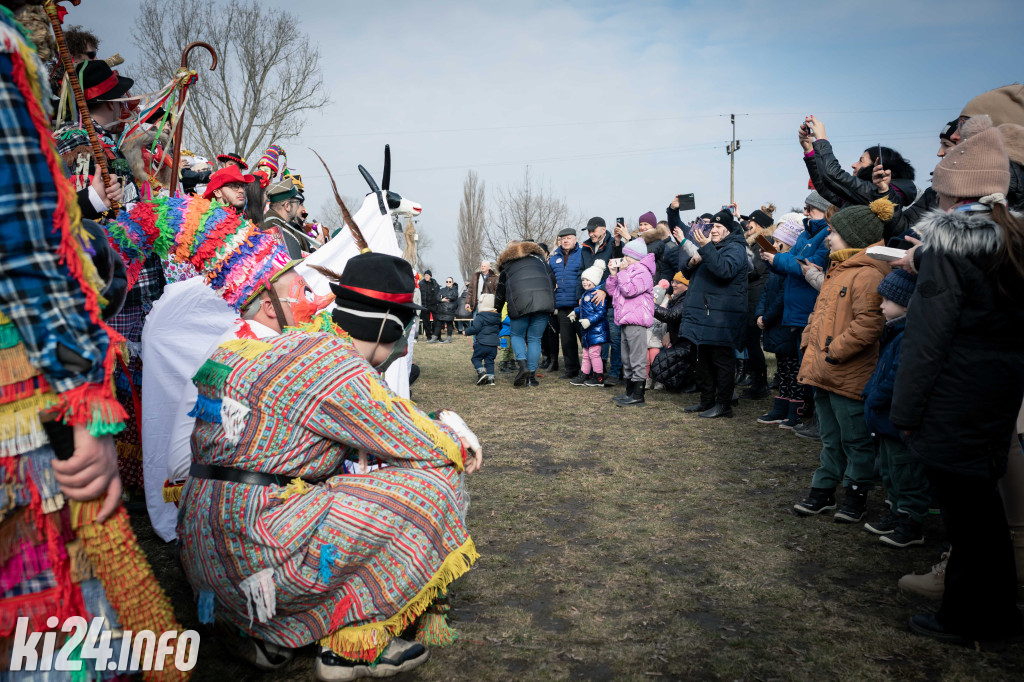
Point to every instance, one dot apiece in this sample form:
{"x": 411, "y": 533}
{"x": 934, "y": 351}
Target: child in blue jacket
{"x": 485, "y": 327}
{"x": 902, "y": 474}
{"x": 591, "y": 316}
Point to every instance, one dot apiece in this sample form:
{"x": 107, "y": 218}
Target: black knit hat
{"x": 724, "y": 217}
{"x": 898, "y": 287}
{"x": 100, "y": 83}
{"x": 759, "y": 217}
{"x": 374, "y": 297}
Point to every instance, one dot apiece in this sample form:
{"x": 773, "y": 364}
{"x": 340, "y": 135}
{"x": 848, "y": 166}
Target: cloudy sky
{"x": 618, "y": 106}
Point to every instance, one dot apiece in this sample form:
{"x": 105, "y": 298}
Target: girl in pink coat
{"x": 631, "y": 286}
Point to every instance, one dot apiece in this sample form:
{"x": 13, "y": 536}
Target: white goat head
{"x": 387, "y": 199}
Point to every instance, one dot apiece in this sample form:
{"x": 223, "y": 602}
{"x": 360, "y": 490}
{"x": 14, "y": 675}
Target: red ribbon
{"x": 102, "y": 88}
{"x": 380, "y": 295}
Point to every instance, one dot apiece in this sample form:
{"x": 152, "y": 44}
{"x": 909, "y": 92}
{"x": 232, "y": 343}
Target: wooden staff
{"x": 176, "y": 158}
{"x": 357, "y": 235}
{"x": 76, "y": 87}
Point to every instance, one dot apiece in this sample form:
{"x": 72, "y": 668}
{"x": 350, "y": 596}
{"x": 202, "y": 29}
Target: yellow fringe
{"x": 296, "y": 487}
{"x": 81, "y": 567}
{"x": 366, "y": 641}
{"x": 172, "y": 493}
{"x": 20, "y": 419}
{"x": 380, "y": 394}
{"x": 14, "y": 365}
{"x": 4, "y": 319}
{"x": 428, "y": 426}
{"x": 125, "y": 574}
{"x": 129, "y": 450}
{"x": 250, "y": 349}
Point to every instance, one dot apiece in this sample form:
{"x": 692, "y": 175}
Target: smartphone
{"x": 615, "y": 263}
{"x": 880, "y": 155}
{"x": 897, "y": 243}
{"x": 620, "y": 221}
{"x": 800, "y": 260}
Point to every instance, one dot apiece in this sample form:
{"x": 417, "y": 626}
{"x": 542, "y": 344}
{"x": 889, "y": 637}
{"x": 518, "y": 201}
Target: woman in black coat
{"x": 448, "y": 301}
{"x": 715, "y": 313}
{"x": 674, "y": 366}
{"x": 527, "y": 285}
{"x": 961, "y": 380}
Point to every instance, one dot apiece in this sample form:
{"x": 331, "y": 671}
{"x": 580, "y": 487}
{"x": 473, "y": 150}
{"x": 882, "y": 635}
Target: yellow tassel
{"x": 380, "y": 394}
{"x": 296, "y": 487}
{"x": 81, "y": 567}
{"x": 14, "y": 365}
{"x": 4, "y": 319}
{"x": 365, "y": 642}
{"x": 250, "y": 349}
{"x": 20, "y": 428}
{"x": 428, "y": 426}
{"x": 433, "y": 630}
{"x": 172, "y": 493}
{"x": 129, "y": 451}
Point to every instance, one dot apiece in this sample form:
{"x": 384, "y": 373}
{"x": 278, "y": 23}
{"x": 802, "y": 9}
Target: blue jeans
{"x": 483, "y": 356}
{"x": 526, "y": 333}
{"x": 612, "y": 364}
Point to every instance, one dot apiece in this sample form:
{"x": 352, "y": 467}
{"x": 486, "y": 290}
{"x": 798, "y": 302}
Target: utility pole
{"x": 731, "y": 151}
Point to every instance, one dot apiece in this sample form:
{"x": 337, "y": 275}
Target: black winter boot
{"x": 532, "y": 380}
{"x": 741, "y": 373}
{"x": 554, "y": 364}
{"x": 758, "y": 388}
{"x": 699, "y": 407}
{"x": 545, "y": 362}
{"x": 522, "y": 375}
{"x": 718, "y": 410}
{"x": 636, "y": 397}
{"x": 855, "y": 505}
{"x": 817, "y": 501}
{"x": 792, "y": 419}
{"x": 908, "y": 532}
{"x": 777, "y": 414}
{"x": 619, "y": 399}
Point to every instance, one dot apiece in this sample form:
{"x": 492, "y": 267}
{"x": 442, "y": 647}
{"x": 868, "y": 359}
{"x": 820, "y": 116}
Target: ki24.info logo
{"x": 91, "y": 644}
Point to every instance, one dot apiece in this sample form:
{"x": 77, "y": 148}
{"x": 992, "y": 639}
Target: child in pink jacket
{"x": 631, "y": 287}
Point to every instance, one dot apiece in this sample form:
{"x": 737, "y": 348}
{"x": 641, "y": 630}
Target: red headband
{"x": 102, "y": 87}
{"x": 380, "y": 295}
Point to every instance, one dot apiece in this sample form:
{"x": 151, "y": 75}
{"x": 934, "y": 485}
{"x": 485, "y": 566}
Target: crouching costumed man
{"x": 277, "y": 540}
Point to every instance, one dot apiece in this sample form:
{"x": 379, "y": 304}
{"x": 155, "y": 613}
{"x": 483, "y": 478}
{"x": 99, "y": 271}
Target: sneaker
{"x": 817, "y": 501}
{"x": 930, "y": 585}
{"x": 595, "y": 380}
{"x": 580, "y": 379}
{"x": 433, "y": 341}
{"x": 481, "y": 377}
{"x": 400, "y": 656}
{"x": 489, "y": 379}
{"x": 808, "y": 430}
{"x": 855, "y": 506}
{"x": 260, "y": 654}
{"x": 611, "y": 380}
{"x": 883, "y": 526}
{"x": 908, "y": 532}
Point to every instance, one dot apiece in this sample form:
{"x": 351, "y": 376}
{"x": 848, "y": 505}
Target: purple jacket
{"x": 632, "y": 292}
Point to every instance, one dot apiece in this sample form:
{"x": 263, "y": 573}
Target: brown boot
{"x": 931, "y": 585}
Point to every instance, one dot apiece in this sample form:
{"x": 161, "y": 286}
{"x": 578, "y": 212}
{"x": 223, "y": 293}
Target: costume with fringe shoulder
{"x": 347, "y": 560}
{"x": 55, "y": 352}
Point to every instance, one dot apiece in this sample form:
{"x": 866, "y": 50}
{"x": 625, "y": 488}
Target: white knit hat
{"x": 595, "y": 272}
{"x": 486, "y": 302}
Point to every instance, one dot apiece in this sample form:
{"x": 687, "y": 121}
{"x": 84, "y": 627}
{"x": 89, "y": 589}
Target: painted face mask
{"x": 305, "y": 304}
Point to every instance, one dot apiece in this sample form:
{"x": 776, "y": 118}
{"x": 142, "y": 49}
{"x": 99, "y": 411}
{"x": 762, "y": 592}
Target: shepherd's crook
{"x": 176, "y": 159}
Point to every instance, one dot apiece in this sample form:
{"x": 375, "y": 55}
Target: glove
{"x": 572, "y": 316}
{"x": 585, "y": 323}
{"x": 459, "y": 426}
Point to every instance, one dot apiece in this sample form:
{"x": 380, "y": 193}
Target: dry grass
{"x": 640, "y": 544}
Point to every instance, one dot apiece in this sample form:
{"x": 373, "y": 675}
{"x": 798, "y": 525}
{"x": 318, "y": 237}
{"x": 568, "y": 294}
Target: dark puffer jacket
{"x": 567, "y": 276}
{"x": 525, "y": 281}
{"x": 777, "y": 338}
{"x": 878, "y": 391}
{"x": 672, "y": 316}
{"x": 715, "y": 313}
{"x": 842, "y": 189}
{"x": 446, "y": 309}
{"x": 485, "y": 326}
{"x": 429, "y": 294}
{"x": 757, "y": 277}
{"x": 961, "y": 375}
{"x": 590, "y": 253}
{"x": 674, "y": 366}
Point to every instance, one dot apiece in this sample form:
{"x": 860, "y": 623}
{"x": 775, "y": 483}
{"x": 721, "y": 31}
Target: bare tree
{"x": 267, "y": 79}
{"x": 471, "y": 225}
{"x": 526, "y": 212}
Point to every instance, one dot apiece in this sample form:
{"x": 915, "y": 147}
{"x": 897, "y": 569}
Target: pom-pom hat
{"x": 789, "y": 229}
{"x": 862, "y": 226}
{"x": 594, "y": 273}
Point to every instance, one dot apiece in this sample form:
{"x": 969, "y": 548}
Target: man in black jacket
{"x": 600, "y": 247}
{"x": 429, "y": 298}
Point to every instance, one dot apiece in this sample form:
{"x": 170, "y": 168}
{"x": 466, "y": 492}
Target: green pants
{"x": 903, "y": 476}
{"x": 847, "y": 451}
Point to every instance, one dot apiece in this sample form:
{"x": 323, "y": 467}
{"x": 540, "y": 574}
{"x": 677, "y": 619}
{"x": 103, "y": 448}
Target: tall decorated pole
{"x": 186, "y": 79}
{"x": 76, "y": 87}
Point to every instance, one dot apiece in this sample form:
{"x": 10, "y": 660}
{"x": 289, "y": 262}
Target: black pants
{"x": 716, "y": 374}
{"x": 439, "y": 326}
{"x": 980, "y": 599}
{"x": 549, "y": 341}
{"x": 426, "y": 326}
{"x": 755, "y": 356}
{"x": 570, "y": 347}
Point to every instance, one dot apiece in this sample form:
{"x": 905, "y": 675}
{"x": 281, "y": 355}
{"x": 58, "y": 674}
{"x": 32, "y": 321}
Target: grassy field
{"x": 641, "y": 543}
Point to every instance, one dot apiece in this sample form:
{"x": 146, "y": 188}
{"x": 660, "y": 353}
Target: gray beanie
{"x": 815, "y": 200}
{"x": 635, "y": 248}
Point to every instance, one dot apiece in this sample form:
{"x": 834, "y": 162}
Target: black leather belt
{"x": 219, "y": 473}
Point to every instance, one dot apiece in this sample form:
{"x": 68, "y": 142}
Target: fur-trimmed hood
{"x": 961, "y": 233}
{"x": 517, "y": 250}
{"x": 659, "y": 233}
{"x": 752, "y": 235}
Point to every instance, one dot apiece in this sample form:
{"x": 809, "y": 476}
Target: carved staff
{"x": 76, "y": 87}
{"x": 181, "y": 99}
{"x": 357, "y": 235}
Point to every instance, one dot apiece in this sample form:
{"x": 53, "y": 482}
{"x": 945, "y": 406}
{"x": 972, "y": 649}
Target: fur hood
{"x": 751, "y": 236}
{"x": 659, "y": 233}
{"x": 960, "y": 233}
{"x": 517, "y": 250}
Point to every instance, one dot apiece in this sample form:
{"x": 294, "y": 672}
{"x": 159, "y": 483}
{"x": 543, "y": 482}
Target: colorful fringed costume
{"x": 54, "y": 352}
{"x": 349, "y": 560}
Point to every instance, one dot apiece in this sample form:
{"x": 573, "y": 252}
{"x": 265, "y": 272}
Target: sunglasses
{"x": 91, "y": 54}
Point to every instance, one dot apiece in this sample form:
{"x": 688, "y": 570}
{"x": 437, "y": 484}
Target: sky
{"x": 619, "y": 106}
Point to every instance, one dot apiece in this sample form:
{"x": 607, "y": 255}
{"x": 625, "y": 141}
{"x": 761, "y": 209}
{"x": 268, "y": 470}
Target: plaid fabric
{"x": 71, "y": 137}
{"x": 36, "y": 291}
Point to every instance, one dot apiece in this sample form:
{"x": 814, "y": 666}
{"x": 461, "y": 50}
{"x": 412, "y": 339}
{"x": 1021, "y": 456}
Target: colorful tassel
{"x": 250, "y": 349}
{"x": 296, "y": 486}
{"x": 260, "y": 595}
{"x": 207, "y": 409}
{"x": 172, "y": 491}
{"x": 205, "y": 607}
{"x": 232, "y": 416}
{"x": 213, "y": 374}
{"x": 9, "y": 336}
{"x": 328, "y": 554}
{"x": 20, "y": 428}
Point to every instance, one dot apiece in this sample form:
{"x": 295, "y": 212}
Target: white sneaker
{"x": 400, "y": 656}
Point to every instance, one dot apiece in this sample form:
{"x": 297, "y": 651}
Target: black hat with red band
{"x": 100, "y": 83}
{"x": 231, "y": 157}
{"x": 374, "y": 297}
